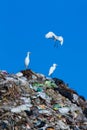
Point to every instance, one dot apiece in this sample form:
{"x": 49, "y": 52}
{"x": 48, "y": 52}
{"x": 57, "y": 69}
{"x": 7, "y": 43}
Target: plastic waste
{"x": 21, "y": 108}
{"x": 46, "y": 112}
{"x": 19, "y": 74}
{"x": 64, "y": 110}
{"x": 23, "y": 81}
{"x": 75, "y": 97}
{"x": 41, "y": 106}
{"x": 37, "y": 84}
{"x": 62, "y": 125}
{"x": 56, "y": 106}
{"x": 38, "y": 89}
{"x": 34, "y": 77}
{"x": 50, "y": 84}
{"x": 44, "y": 96}
{"x": 41, "y": 76}
{"x": 34, "y": 102}
{"x": 40, "y": 124}
{"x": 26, "y": 100}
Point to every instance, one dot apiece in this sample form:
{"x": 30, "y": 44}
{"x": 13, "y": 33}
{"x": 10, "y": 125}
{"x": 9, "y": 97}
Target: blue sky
{"x": 23, "y": 25}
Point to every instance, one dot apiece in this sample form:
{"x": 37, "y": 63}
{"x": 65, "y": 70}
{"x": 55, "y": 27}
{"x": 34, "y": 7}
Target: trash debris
{"x": 30, "y": 101}
{"x": 19, "y": 74}
{"x": 50, "y": 84}
{"x": 56, "y": 106}
{"x": 21, "y": 108}
{"x": 64, "y": 110}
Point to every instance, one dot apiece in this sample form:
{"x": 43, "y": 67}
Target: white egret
{"x": 52, "y": 35}
{"x": 27, "y": 60}
{"x": 52, "y": 68}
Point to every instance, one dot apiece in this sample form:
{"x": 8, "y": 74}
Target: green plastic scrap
{"x": 37, "y": 85}
{"x": 56, "y": 106}
{"x": 39, "y": 89}
{"x": 50, "y": 84}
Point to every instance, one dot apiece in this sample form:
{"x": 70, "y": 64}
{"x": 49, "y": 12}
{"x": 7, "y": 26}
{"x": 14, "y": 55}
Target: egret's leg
{"x": 55, "y": 44}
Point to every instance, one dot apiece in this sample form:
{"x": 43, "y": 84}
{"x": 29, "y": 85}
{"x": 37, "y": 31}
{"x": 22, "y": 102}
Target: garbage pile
{"x": 31, "y": 101}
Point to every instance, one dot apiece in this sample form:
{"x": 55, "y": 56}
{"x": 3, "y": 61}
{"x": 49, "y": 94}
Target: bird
{"x": 27, "y": 60}
{"x": 52, "y": 35}
{"x": 52, "y": 68}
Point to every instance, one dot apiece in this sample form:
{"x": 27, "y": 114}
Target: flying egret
{"x": 52, "y": 68}
{"x": 51, "y": 35}
{"x": 27, "y": 60}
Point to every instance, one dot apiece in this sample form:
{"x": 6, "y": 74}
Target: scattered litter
{"x": 64, "y": 110}
{"x": 30, "y": 101}
{"x": 19, "y": 74}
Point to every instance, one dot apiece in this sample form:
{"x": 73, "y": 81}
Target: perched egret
{"x": 27, "y": 60}
{"x": 52, "y": 68}
{"x": 52, "y": 35}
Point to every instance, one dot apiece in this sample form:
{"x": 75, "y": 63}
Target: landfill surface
{"x": 31, "y": 101}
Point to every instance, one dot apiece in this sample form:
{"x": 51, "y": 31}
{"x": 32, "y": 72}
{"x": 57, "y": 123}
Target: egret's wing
{"x": 60, "y": 38}
{"x": 49, "y": 35}
{"x": 61, "y": 43}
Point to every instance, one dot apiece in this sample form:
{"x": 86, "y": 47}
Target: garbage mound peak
{"x": 31, "y": 101}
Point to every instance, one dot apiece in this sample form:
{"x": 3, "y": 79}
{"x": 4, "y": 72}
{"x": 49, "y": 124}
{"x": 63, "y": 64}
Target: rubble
{"x": 31, "y": 101}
